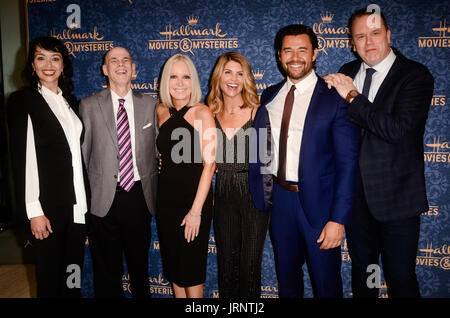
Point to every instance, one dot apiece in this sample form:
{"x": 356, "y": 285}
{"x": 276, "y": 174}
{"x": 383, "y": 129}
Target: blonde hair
{"x": 249, "y": 93}
{"x": 164, "y": 94}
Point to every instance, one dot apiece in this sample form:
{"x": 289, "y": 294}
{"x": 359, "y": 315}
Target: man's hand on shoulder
{"x": 342, "y": 83}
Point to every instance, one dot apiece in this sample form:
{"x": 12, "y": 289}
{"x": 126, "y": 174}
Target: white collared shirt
{"x": 302, "y": 97}
{"x": 378, "y": 77}
{"x": 129, "y": 107}
{"x": 72, "y": 128}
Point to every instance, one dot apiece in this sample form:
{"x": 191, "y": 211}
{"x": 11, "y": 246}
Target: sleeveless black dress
{"x": 183, "y": 263}
{"x": 240, "y": 229}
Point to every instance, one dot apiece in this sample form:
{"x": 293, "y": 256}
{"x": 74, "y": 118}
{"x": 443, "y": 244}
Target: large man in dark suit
{"x": 389, "y": 97}
{"x": 308, "y": 181}
{"x": 120, "y": 156}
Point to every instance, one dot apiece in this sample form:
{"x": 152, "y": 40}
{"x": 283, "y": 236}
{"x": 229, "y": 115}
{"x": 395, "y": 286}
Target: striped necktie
{"x": 126, "y": 171}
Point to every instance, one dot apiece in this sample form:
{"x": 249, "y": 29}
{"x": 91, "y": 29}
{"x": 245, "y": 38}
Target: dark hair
{"x": 295, "y": 29}
{"x": 50, "y": 44}
{"x": 363, "y": 12}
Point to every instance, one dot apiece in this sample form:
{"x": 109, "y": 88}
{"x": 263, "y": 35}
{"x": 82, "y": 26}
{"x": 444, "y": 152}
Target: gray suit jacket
{"x": 100, "y": 150}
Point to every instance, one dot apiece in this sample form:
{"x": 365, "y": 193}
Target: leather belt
{"x": 285, "y": 185}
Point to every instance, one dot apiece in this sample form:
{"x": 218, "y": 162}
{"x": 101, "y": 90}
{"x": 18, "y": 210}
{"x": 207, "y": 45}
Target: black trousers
{"x": 124, "y": 231}
{"x": 396, "y": 242}
{"x": 55, "y": 256}
{"x": 240, "y": 232}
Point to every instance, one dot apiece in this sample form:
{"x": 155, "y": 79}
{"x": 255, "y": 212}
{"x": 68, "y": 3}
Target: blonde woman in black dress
{"x": 240, "y": 229}
{"x": 186, "y": 142}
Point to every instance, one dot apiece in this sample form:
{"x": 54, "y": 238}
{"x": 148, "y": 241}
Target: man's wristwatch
{"x": 352, "y": 94}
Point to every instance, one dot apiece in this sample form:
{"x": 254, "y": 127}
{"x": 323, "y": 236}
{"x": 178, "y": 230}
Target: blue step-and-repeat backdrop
{"x": 153, "y": 30}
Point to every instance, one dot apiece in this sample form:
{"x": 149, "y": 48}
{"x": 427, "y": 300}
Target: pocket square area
{"x": 146, "y": 126}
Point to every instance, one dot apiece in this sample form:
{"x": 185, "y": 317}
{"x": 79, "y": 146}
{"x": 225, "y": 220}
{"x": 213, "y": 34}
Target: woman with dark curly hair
{"x": 47, "y": 166}
{"x": 240, "y": 229}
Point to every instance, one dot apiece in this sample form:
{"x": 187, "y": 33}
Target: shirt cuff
{"x": 34, "y": 209}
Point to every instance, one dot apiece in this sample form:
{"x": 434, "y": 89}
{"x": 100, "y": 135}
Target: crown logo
{"x": 258, "y": 75}
{"x": 192, "y": 20}
{"x": 327, "y": 17}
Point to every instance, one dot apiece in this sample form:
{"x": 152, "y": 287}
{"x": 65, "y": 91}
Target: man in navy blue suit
{"x": 389, "y": 97}
{"x": 306, "y": 173}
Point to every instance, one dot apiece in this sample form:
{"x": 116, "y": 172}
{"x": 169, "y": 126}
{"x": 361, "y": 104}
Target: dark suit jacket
{"x": 54, "y": 158}
{"x": 328, "y": 158}
{"x": 391, "y": 155}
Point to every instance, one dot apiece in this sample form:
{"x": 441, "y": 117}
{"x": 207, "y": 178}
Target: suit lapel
{"x": 263, "y": 121}
{"x": 311, "y": 114}
{"x": 107, "y": 110}
{"x": 352, "y": 73}
{"x": 139, "y": 119}
{"x": 276, "y": 89}
{"x": 390, "y": 79}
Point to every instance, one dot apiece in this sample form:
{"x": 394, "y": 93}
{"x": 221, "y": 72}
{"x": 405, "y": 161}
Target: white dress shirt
{"x": 129, "y": 107}
{"x": 72, "y": 128}
{"x": 378, "y": 77}
{"x": 302, "y": 97}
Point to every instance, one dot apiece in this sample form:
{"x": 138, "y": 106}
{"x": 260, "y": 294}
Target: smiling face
{"x": 372, "y": 43}
{"x": 48, "y": 66}
{"x": 119, "y": 68}
{"x": 297, "y": 56}
{"x": 180, "y": 83}
{"x": 232, "y": 79}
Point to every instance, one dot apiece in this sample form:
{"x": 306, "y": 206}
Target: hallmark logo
{"x": 77, "y": 42}
{"x": 148, "y": 88}
{"x": 190, "y": 37}
{"x": 327, "y": 17}
{"x": 212, "y": 248}
{"x": 438, "y": 100}
{"x": 158, "y": 285}
{"x": 432, "y": 210}
{"x": 441, "y": 40}
{"x": 345, "y": 255}
{"x": 192, "y": 20}
{"x": 439, "y": 153}
{"x": 258, "y": 75}
{"x": 434, "y": 257}
{"x": 269, "y": 291}
{"x": 330, "y": 37}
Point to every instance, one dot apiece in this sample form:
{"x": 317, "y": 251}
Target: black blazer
{"x": 54, "y": 158}
{"x": 391, "y": 154}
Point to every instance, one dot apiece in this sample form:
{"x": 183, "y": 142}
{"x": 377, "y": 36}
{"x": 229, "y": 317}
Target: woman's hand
{"x": 191, "y": 223}
{"x": 40, "y": 227}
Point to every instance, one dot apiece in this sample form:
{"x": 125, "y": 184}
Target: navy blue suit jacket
{"x": 328, "y": 157}
{"x": 391, "y": 156}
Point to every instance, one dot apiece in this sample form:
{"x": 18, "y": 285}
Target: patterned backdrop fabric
{"x": 153, "y": 30}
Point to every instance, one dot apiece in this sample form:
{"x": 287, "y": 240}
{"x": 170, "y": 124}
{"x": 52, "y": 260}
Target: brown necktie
{"x": 288, "y": 104}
